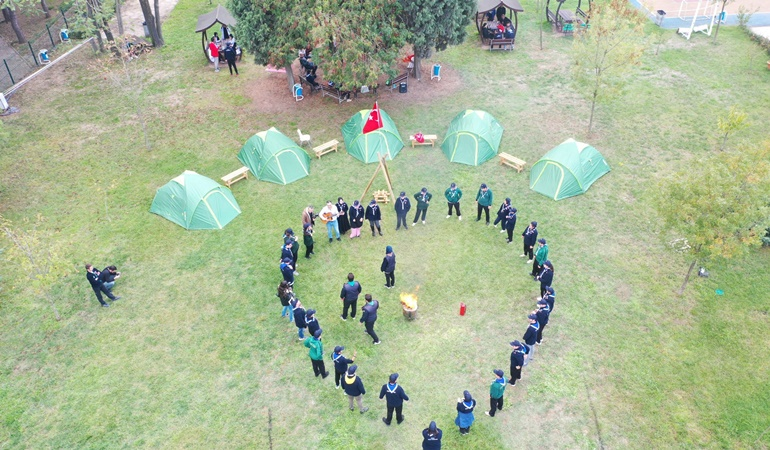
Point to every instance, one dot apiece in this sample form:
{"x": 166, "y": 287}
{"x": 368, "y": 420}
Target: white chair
{"x": 303, "y": 138}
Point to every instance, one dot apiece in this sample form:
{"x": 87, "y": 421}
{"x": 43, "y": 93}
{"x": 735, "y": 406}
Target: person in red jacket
{"x": 214, "y": 54}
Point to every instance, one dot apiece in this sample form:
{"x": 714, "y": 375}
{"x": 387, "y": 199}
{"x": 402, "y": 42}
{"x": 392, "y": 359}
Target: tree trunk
{"x": 6, "y": 15}
{"x": 157, "y": 20}
{"x": 593, "y": 106}
{"x": 47, "y": 12}
{"x": 417, "y": 67}
{"x": 719, "y": 21}
{"x": 97, "y": 31}
{"x": 687, "y": 277}
{"x": 149, "y": 19}
{"x": 107, "y": 31}
{"x": 15, "y": 25}
{"x": 119, "y": 17}
{"x": 289, "y": 77}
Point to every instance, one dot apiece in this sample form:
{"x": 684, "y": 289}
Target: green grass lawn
{"x": 196, "y": 355}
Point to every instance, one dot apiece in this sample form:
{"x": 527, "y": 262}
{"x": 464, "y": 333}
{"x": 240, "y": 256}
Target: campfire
{"x": 409, "y": 305}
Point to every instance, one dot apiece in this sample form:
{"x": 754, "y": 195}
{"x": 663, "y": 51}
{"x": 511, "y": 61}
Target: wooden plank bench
{"x": 239, "y": 174}
{"x": 382, "y": 196}
{"x": 512, "y": 161}
{"x": 399, "y": 79}
{"x": 501, "y": 44}
{"x": 328, "y": 147}
{"x": 430, "y": 139}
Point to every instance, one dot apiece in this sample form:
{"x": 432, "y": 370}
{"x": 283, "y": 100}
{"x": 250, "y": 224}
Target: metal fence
{"x": 22, "y": 60}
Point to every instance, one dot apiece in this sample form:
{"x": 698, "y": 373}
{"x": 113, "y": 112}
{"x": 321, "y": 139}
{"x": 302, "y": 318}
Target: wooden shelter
{"x": 485, "y": 6}
{"x": 208, "y": 20}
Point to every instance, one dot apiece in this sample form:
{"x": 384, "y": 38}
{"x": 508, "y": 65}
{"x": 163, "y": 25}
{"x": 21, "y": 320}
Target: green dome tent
{"x": 195, "y": 202}
{"x": 473, "y": 137}
{"x": 367, "y": 147}
{"x": 567, "y": 170}
{"x": 271, "y": 156}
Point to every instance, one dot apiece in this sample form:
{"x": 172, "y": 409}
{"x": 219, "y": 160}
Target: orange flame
{"x": 409, "y": 300}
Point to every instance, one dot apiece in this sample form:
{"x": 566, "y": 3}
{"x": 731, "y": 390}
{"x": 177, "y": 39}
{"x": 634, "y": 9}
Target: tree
{"x": 605, "y": 52}
{"x": 44, "y": 6}
{"x": 719, "y": 18}
{"x": 434, "y": 24}
{"x": 734, "y": 121}
{"x": 720, "y": 205}
{"x": 36, "y": 253}
{"x": 153, "y": 22}
{"x": 540, "y": 8}
{"x": 119, "y": 17}
{"x": 9, "y": 11}
{"x": 362, "y": 40}
{"x": 273, "y": 30}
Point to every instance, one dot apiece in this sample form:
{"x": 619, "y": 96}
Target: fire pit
{"x": 409, "y": 305}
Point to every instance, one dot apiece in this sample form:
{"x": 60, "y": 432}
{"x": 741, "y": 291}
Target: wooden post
{"x": 384, "y": 166}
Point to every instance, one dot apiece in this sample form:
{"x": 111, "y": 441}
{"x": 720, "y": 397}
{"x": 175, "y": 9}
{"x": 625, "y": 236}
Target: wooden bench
{"x": 501, "y": 44}
{"x": 382, "y": 196}
{"x": 399, "y": 79}
{"x": 328, "y": 147}
{"x": 333, "y": 93}
{"x": 429, "y": 139}
{"x": 512, "y": 161}
{"x": 239, "y": 174}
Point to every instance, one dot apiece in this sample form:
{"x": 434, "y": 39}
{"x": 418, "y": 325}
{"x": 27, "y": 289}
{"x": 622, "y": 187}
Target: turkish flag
{"x": 374, "y": 121}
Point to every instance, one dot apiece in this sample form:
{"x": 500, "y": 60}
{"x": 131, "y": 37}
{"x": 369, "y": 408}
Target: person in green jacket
{"x": 423, "y": 201}
{"x": 453, "y": 195}
{"x": 483, "y": 201}
{"x": 496, "y": 391}
{"x": 541, "y": 256}
{"x": 317, "y": 354}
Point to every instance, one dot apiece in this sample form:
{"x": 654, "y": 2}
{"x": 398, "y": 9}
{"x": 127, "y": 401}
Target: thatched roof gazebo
{"x": 208, "y": 20}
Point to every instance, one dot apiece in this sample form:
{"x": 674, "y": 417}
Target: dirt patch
{"x": 133, "y": 17}
{"x": 270, "y": 93}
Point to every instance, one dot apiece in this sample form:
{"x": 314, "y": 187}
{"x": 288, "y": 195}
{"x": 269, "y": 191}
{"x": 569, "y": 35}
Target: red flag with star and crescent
{"x": 374, "y": 121}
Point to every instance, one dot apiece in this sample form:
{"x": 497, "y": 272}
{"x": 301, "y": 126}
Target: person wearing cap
{"x": 349, "y": 296}
{"x": 510, "y": 223}
{"x": 388, "y": 267}
{"x": 374, "y": 215}
{"x": 356, "y": 217}
{"x": 517, "y": 362}
{"x": 342, "y": 220}
{"x": 541, "y": 256}
{"x": 369, "y": 316}
{"x": 287, "y": 270}
{"x": 543, "y": 312}
{"x": 299, "y": 317}
{"x": 312, "y": 322}
{"x": 317, "y": 353}
{"x": 295, "y": 245}
{"x": 550, "y": 297}
{"x": 496, "y": 391}
{"x": 530, "y": 338}
{"x": 286, "y": 295}
{"x": 354, "y": 389}
{"x": 545, "y": 277}
{"x": 394, "y": 399}
{"x": 530, "y": 239}
{"x": 453, "y": 195}
{"x": 340, "y": 364}
{"x": 402, "y": 205}
{"x": 465, "y": 407}
{"x": 307, "y": 237}
{"x": 484, "y": 199}
{"x": 329, "y": 215}
{"x": 431, "y": 437}
{"x": 502, "y": 214}
{"x": 286, "y": 250}
{"x": 423, "y": 201}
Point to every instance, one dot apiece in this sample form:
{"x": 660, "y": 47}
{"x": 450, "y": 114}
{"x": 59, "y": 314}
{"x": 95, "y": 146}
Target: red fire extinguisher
{"x": 462, "y": 308}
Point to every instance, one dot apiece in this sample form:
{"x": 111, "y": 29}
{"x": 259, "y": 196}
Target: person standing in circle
{"x": 230, "y": 57}
{"x": 349, "y": 296}
{"x": 374, "y": 215}
{"x": 389, "y": 267}
{"x": 453, "y": 195}
{"x": 394, "y": 399}
{"x": 484, "y": 199}
{"x": 344, "y": 223}
{"x": 502, "y": 214}
{"x": 317, "y": 354}
{"x": 431, "y": 437}
{"x": 530, "y": 238}
{"x": 340, "y": 364}
{"x": 423, "y": 201}
{"x": 402, "y": 206}
{"x": 465, "y": 407}
{"x": 329, "y": 215}
{"x": 510, "y": 223}
{"x": 356, "y": 217}
{"x": 541, "y": 256}
{"x": 369, "y": 316}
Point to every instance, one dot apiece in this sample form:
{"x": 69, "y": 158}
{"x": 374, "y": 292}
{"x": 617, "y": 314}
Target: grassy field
{"x": 195, "y": 354}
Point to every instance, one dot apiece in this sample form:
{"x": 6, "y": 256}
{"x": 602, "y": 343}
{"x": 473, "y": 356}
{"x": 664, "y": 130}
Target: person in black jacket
{"x": 311, "y": 322}
{"x": 354, "y": 388}
{"x": 502, "y": 214}
{"x": 389, "y": 267}
{"x": 287, "y": 270}
{"x": 542, "y": 313}
{"x": 546, "y": 277}
{"x": 394, "y": 399}
{"x": 299, "y": 317}
{"x": 356, "y": 216}
{"x": 349, "y": 296}
{"x": 92, "y": 275}
{"x": 530, "y": 338}
{"x": 431, "y": 437}
{"x": 369, "y": 316}
{"x": 510, "y": 223}
{"x": 285, "y": 294}
{"x": 465, "y": 417}
{"x": 340, "y": 364}
{"x": 295, "y": 246}
{"x": 517, "y": 362}
{"x": 108, "y": 277}
{"x": 550, "y": 297}
{"x": 402, "y": 206}
{"x": 230, "y": 57}
{"x": 374, "y": 215}
{"x": 530, "y": 238}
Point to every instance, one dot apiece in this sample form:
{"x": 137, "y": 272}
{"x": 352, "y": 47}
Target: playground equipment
{"x": 701, "y": 13}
